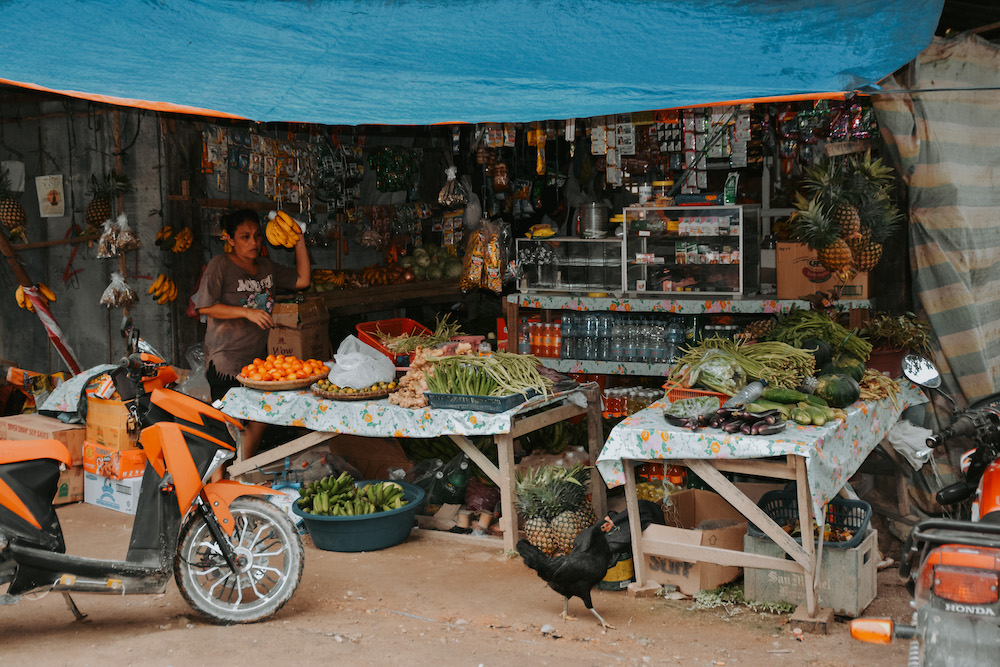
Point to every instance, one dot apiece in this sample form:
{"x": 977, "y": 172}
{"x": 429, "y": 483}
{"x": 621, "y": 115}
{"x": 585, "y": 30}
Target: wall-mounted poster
{"x": 50, "y": 196}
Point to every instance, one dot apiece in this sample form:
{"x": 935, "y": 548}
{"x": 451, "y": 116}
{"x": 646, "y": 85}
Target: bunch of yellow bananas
{"x": 163, "y": 289}
{"x": 164, "y": 237}
{"x": 24, "y": 302}
{"x": 182, "y": 240}
{"x": 282, "y": 230}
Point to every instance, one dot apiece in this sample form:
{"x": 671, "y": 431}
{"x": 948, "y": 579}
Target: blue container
{"x": 367, "y": 532}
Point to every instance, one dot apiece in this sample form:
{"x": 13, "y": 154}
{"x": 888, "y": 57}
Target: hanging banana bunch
{"x": 163, "y": 289}
{"x": 171, "y": 241}
{"x": 281, "y": 230}
{"x": 48, "y": 296}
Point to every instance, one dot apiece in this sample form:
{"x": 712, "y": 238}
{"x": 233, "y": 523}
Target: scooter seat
{"x": 15, "y": 451}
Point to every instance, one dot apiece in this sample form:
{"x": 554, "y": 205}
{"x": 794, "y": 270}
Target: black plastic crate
{"x": 783, "y": 507}
{"x": 476, "y": 403}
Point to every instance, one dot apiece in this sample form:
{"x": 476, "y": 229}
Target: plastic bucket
{"x": 621, "y": 574}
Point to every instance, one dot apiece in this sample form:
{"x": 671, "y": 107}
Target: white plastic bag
{"x": 909, "y": 441}
{"x": 357, "y": 365}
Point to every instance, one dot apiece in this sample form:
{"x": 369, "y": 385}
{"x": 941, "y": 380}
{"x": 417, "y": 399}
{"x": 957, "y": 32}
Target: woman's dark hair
{"x": 232, "y": 220}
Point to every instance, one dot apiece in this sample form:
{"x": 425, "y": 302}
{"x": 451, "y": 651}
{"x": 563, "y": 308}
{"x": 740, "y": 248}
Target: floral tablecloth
{"x": 833, "y": 452}
{"x": 374, "y": 418}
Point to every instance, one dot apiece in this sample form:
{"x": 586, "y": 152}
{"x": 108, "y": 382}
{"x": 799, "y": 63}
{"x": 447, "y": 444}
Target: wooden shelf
{"x": 384, "y": 297}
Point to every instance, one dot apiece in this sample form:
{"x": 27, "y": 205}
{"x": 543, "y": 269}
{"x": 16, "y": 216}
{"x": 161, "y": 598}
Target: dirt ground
{"x": 428, "y": 601}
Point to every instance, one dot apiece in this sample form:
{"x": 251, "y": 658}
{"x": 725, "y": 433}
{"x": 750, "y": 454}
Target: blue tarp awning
{"x": 350, "y": 62}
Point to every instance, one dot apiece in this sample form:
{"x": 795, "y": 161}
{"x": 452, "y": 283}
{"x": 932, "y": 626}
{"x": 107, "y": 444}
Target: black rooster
{"x": 577, "y": 572}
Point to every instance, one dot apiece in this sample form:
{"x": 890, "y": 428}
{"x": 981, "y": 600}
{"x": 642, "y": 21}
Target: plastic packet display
{"x": 453, "y": 194}
{"x": 127, "y": 240}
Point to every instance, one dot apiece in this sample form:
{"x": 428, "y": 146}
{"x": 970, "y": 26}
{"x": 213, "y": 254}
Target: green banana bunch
{"x": 340, "y": 496}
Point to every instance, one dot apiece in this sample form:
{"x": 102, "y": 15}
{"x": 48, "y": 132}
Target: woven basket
{"x": 282, "y": 385}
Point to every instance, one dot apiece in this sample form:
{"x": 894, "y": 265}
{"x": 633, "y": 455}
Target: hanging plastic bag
{"x": 118, "y": 293}
{"x": 126, "y": 238}
{"x": 357, "y": 365}
{"x": 107, "y": 245}
{"x": 453, "y": 194}
{"x": 195, "y": 384}
{"x": 472, "y": 264}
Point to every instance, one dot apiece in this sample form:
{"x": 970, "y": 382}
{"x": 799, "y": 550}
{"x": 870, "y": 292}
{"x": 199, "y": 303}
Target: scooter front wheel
{"x": 269, "y": 564}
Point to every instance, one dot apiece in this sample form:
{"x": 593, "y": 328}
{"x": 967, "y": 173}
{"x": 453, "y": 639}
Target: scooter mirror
{"x": 921, "y": 370}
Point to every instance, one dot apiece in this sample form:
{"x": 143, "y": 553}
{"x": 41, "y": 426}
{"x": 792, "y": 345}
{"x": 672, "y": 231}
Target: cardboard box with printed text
{"x": 39, "y": 427}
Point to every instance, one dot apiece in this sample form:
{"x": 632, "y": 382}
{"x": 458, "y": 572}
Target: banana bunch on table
{"x": 24, "y": 302}
{"x": 282, "y": 231}
{"x": 163, "y": 289}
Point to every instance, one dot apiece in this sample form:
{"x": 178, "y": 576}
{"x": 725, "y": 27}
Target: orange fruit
{"x": 258, "y": 361}
{"x": 269, "y": 357}
{"x": 256, "y": 376}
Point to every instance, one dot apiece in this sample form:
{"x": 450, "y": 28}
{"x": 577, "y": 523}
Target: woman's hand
{"x": 261, "y": 318}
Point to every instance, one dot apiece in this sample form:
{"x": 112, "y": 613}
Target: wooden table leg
{"x": 806, "y": 519}
{"x": 595, "y": 442}
{"x": 508, "y": 494}
{"x": 243, "y": 465}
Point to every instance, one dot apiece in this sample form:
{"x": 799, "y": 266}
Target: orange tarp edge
{"x": 127, "y": 101}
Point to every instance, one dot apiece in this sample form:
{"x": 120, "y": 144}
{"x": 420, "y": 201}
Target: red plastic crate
{"x": 397, "y": 326}
{"x": 678, "y": 393}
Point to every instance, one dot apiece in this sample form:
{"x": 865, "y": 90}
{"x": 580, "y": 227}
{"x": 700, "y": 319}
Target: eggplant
{"x": 745, "y": 428}
{"x": 731, "y": 426}
{"x": 675, "y": 420}
{"x": 771, "y": 429}
{"x": 703, "y": 420}
{"x": 726, "y": 413}
{"x": 716, "y": 421}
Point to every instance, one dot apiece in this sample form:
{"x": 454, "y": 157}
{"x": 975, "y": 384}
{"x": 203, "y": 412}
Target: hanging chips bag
{"x": 472, "y": 265}
{"x": 107, "y": 245}
{"x": 453, "y": 194}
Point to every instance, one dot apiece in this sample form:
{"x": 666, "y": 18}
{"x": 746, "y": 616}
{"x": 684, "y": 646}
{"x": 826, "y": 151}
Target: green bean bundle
{"x": 778, "y": 364}
{"x": 799, "y": 325}
{"x": 499, "y": 374}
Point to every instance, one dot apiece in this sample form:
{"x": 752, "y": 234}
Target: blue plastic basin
{"x": 366, "y": 532}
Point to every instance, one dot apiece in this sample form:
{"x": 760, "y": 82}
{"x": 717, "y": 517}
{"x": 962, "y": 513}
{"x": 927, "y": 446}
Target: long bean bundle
{"x": 778, "y": 364}
{"x": 499, "y": 374}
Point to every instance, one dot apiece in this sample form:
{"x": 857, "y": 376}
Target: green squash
{"x": 846, "y": 364}
{"x": 837, "y": 389}
{"x": 819, "y": 349}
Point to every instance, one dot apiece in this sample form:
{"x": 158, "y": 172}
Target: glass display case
{"x": 570, "y": 264}
{"x": 711, "y": 250}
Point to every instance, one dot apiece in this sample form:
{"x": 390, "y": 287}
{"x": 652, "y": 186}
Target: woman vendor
{"x": 236, "y": 294}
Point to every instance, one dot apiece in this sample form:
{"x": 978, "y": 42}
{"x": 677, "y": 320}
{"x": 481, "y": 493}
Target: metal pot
{"x": 593, "y": 220}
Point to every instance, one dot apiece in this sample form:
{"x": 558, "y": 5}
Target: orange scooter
{"x": 951, "y": 566}
{"x": 236, "y": 558}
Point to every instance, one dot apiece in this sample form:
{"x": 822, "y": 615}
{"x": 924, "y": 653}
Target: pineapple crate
{"x": 848, "y": 577}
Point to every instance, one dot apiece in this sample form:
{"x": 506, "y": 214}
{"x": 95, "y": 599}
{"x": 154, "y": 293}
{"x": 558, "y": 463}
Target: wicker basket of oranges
{"x": 279, "y": 372}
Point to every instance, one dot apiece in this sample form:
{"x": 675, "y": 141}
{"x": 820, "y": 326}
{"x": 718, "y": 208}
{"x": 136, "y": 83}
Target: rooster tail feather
{"x": 532, "y": 555}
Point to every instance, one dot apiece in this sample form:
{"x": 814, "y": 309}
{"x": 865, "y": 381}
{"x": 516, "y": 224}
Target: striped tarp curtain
{"x": 943, "y": 128}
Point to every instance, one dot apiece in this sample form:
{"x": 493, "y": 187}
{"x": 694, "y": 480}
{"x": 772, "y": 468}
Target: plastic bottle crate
{"x": 368, "y": 332}
{"x": 843, "y": 513}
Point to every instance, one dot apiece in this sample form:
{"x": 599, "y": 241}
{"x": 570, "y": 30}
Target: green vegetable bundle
{"x": 499, "y": 374}
{"x": 799, "y": 325}
{"x": 444, "y": 330}
{"x": 778, "y": 364}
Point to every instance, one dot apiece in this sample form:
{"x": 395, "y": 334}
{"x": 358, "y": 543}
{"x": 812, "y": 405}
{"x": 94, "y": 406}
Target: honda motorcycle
{"x": 236, "y": 557}
{"x": 952, "y": 566}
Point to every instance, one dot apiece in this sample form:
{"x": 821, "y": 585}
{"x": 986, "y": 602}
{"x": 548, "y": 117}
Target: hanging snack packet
{"x": 127, "y": 240}
{"x": 493, "y": 262}
{"x": 453, "y": 195}
{"x": 472, "y": 265}
{"x": 118, "y": 293}
{"x": 107, "y": 245}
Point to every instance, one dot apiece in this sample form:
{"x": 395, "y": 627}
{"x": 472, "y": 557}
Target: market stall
{"x": 819, "y": 459}
{"x": 328, "y": 418}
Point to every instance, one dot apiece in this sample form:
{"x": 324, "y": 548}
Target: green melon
{"x": 453, "y": 269}
{"x": 846, "y": 364}
{"x": 837, "y": 389}
{"x": 434, "y": 272}
{"x": 407, "y": 262}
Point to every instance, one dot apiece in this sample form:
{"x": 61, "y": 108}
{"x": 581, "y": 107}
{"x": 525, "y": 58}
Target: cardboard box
{"x": 107, "y": 424}
{"x": 848, "y": 577}
{"x": 70, "y": 486}
{"x": 118, "y": 495}
{"x": 372, "y": 456}
{"x": 112, "y": 462}
{"x": 301, "y": 329}
{"x": 38, "y": 427}
{"x": 690, "y": 508}
{"x": 800, "y": 274}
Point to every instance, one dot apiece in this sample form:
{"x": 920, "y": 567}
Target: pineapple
{"x": 812, "y": 226}
{"x": 103, "y": 192}
{"x": 554, "y": 502}
{"x": 11, "y": 212}
{"x": 833, "y": 190}
{"x": 865, "y": 251}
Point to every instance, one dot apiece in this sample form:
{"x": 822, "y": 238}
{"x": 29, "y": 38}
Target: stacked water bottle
{"x": 619, "y": 337}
